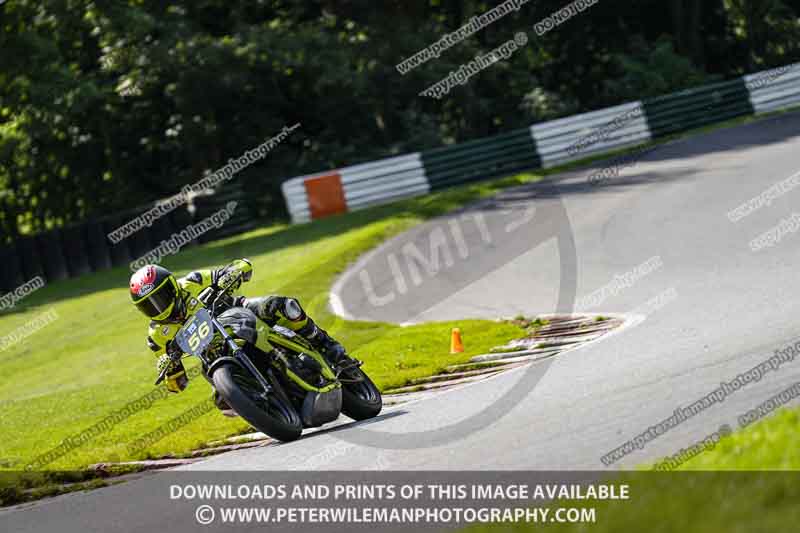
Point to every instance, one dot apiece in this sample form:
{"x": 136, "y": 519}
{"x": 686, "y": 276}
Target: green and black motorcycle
{"x": 271, "y": 376}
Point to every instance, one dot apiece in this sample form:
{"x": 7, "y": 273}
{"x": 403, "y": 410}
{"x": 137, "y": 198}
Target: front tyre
{"x": 361, "y": 399}
{"x": 271, "y": 414}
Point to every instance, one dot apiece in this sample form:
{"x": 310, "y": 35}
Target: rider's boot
{"x": 333, "y": 351}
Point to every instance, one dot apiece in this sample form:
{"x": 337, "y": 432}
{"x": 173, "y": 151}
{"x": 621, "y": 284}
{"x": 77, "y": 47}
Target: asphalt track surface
{"x": 730, "y": 309}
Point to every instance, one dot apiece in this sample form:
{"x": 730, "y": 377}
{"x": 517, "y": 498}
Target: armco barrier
{"x": 543, "y": 145}
{"x": 774, "y": 89}
{"x": 697, "y": 107}
{"x": 474, "y": 160}
{"x": 567, "y": 139}
{"x": 327, "y": 193}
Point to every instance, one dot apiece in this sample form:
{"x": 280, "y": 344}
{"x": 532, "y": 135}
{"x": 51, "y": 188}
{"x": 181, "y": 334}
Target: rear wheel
{"x": 272, "y": 413}
{"x": 361, "y": 399}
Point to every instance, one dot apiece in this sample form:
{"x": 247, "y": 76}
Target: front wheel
{"x": 361, "y": 399}
{"x": 271, "y": 414}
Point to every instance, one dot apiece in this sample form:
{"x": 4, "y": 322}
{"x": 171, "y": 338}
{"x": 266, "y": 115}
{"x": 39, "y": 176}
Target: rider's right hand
{"x": 232, "y": 276}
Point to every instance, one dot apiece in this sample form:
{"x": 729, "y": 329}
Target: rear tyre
{"x": 360, "y": 400}
{"x": 273, "y": 415}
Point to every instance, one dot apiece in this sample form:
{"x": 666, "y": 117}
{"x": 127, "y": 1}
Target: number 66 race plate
{"x": 196, "y": 334}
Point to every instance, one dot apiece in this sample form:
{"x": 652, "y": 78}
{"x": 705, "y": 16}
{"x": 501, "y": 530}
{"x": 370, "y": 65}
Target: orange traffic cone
{"x": 456, "y": 346}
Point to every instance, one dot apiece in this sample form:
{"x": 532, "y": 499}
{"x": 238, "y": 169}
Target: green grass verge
{"x": 93, "y": 359}
{"x": 746, "y": 483}
{"x": 766, "y": 445}
{"x": 682, "y": 502}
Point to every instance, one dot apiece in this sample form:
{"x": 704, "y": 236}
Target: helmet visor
{"x": 160, "y": 300}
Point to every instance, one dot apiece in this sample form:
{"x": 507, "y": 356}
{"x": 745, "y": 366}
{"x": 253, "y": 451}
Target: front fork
{"x": 239, "y": 355}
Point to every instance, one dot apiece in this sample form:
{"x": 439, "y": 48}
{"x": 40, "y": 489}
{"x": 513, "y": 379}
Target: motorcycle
{"x": 270, "y": 376}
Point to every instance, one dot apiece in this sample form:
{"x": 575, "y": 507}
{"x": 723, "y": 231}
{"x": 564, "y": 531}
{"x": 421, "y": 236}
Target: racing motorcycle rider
{"x": 169, "y": 302}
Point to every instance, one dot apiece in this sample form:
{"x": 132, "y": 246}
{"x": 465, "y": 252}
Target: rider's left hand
{"x": 176, "y": 379}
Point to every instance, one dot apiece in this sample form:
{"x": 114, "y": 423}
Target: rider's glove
{"x": 231, "y": 277}
{"x": 176, "y": 379}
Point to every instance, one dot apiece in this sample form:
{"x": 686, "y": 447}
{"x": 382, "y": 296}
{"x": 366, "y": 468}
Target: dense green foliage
{"x": 109, "y": 104}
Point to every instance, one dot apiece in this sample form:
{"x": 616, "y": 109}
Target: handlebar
{"x": 211, "y": 298}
